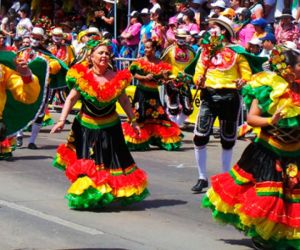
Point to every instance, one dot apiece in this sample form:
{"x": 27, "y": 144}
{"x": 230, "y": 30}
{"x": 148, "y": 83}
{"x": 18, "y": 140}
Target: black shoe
{"x": 32, "y": 146}
{"x": 19, "y": 141}
{"x": 200, "y": 185}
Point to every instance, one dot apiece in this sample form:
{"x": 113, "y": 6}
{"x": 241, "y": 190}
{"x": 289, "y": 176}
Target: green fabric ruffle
{"x": 233, "y": 219}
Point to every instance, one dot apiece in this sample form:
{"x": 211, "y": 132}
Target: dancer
{"x": 21, "y": 93}
{"x": 64, "y": 52}
{"x": 260, "y": 194}
{"x": 96, "y": 159}
{"x": 156, "y": 127}
{"x": 56, "y": 75}
{"x": 220, "y": 72}
{"x": 178, "y": 93}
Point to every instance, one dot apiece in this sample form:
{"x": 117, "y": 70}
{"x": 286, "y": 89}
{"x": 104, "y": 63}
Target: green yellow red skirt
{"x": 260, "y": 196}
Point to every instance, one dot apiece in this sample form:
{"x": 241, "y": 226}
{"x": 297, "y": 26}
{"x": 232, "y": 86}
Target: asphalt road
{"x": 34, "y": 213}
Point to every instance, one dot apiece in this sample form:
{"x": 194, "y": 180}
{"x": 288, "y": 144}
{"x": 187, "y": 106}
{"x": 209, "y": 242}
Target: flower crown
{"x": 96, "y": 41}
{"x": 278, "y": 62}
{"x": 212, "y": 43}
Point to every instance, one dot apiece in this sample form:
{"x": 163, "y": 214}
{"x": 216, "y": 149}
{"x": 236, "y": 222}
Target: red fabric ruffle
{"x": 108, "y": 91}
{"x": 66, "y": 154}
{"x": 151, "y": 68}
{"x": 245, "y": 197}
{"x": 129, "y": 131}
{"x": 85, "y": 167}
{"x": 136, "y": 179}
{"x": 164, "y": 130}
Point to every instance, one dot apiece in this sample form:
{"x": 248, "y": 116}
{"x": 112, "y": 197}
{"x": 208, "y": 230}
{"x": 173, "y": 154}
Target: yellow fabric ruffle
{"x": 264, "y": 227}
{"x": 129, "y": 191}
{"x": 80, "y": 185}
{"x": 279, "y": 86}
{"x": 173, "y": 139}
{"x": 105, "y": 188}
{"x": 134, "y": 140}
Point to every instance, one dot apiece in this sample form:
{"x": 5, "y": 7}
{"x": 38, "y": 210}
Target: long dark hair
{"x": 291, "y": 57}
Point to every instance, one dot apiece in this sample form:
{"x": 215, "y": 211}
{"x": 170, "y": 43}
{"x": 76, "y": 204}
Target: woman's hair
{"x": 93, "y": 45}
{"x": 154, "y": 44}
{"x": 291, "y": 57}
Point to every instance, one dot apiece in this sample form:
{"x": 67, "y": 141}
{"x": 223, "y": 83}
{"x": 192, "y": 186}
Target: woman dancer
{"x": 96, "y": 159}
{"x": 260, "y": 194}
{"x": 156, "y": 127}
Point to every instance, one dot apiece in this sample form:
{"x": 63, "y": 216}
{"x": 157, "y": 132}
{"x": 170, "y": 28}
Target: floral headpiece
{"x": 212, "y": 43}
{"x": 43, "y": 22}
{"x": 96, "y": 41}
{"x": 278, "y": 62}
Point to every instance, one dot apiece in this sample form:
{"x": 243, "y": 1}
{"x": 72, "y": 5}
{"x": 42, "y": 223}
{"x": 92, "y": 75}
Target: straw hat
{"x": 224, "y": 22}
{"x": 38, "y": 31}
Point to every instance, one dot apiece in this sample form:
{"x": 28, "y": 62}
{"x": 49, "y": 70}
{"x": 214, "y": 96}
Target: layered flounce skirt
{"x": 7, "y": 146}
{"x": 100, "y": 168}
{"x": 261, "y": 197}
{"x": 156, "y": 127}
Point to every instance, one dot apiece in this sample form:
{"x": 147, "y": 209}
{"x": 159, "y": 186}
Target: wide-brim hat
{"x": 181, "y": 33}
{"x": 224, "y": 22}
{"x": 57, "y": 32}
{"x": 291, "y": 46}
{"x": 111, "y": 1}
{"x": 66, "y": 24}
{"x": 285, "y": 13}
{"x": 39, "y": 31}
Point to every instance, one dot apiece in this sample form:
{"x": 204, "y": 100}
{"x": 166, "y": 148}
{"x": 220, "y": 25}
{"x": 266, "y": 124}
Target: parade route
{"x": 35, "y": 215}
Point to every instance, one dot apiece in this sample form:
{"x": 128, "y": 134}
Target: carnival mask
{"x": 57, "y": 39}
{"x": 34, "y": 42}
{"x": 181, "y": 41}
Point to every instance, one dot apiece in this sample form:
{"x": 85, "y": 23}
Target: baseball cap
{"x": 219, "y": 3}
{"x": 134, "y": 14}
{"x": 145, "y": 11}
{"x": 269, "y": 37}
{"x": 255, "y": 41}
{"x": 259, "y": 22}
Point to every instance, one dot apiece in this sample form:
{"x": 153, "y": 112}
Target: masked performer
{"x": 178, "y": 93}
{"x": 56, "y": 76}
{"x": 220, "y": 72}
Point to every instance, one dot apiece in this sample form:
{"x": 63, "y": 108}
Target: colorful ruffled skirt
{"x": 156, "y": 127}
{"x": 260, "y": 196}
{"x": 7, "y": 146}
{"x": 100, "y": 168}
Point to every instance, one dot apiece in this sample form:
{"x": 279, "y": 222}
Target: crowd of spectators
{"x": 259, "y": 24}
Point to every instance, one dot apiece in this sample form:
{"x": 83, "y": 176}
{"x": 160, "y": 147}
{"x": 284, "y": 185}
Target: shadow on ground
{"x": 241, "y": 242}
{"x": 31, "y": 157}
{"x": 140, "y": 206}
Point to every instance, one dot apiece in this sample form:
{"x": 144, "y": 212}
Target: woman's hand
{"x": 278, "y": 115}
{"x": 239, "y": 83}
{"x": 201, "y": 82}
{"x": 149, "y": 77}
{"x": 58, "y": 127}
{"x": 136, "y": 127}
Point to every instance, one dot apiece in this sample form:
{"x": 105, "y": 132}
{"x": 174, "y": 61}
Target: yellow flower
{"x": 155, "y": 114}
{"x": 152, "y": 102}
{"x": 292, "y": 170}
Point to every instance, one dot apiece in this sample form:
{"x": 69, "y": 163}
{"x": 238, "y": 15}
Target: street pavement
{"x": 35, "y": 215}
